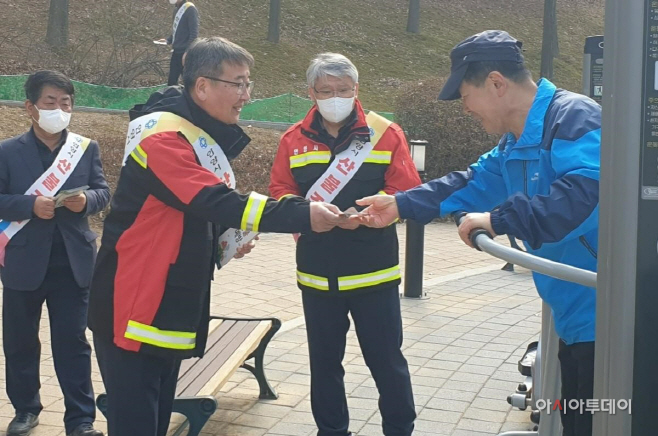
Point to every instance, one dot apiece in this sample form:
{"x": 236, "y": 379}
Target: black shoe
{"x": 22, "y": 424}
{"x": 85, "y": 429}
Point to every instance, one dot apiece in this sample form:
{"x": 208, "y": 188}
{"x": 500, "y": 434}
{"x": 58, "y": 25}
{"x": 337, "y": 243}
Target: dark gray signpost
{"x": 593, "y": 68}
{"x": 627, "y": 326}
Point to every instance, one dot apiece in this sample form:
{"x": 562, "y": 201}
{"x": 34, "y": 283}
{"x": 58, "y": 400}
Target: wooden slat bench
{"x": 231, "y": 343}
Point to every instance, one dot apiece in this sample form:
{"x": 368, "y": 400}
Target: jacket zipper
{"x": 587, "y": 246}
{"x": 525, "y": 178}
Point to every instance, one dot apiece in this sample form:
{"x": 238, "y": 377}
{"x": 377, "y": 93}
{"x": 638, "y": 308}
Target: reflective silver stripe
{"x": 161, "y": 338}
{"x": 313, "y": 281}
{"x": 253, "y": 212}
{"x": 309, "y": 158}
{"x": 370, "y": 279}
{"x": 381, "y": 157}
{"x": 139, "y": 155}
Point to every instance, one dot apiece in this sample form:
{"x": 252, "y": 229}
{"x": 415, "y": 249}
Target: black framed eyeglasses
{"x": 240, "y": 86}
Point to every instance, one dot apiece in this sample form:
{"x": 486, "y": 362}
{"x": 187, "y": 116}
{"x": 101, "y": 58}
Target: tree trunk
{"x": 413, "y": 22}
{"x": 58, "y": 23}
{"x": 275, "y": 21}
{"x": 549, "y": 47}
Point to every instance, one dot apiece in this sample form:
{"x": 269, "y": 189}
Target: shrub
{"x": 455, "y": 139}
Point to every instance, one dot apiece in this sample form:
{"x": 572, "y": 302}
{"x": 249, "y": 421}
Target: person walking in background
{"x": 185, "y": 31}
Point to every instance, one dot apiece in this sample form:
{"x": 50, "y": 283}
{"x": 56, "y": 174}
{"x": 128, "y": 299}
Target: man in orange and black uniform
{"x": 349, "y": 269}
{"x": 150, "y": 294}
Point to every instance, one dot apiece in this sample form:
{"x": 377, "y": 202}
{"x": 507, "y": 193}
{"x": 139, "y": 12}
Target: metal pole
{"x": 413, "y": 21}
{"x": 549, "y": 46}
{"x": 625, "y": 365}
{"x": 275, "y": 21}
{"x": 413, "y": 260}
{"x": 483, "y": 241}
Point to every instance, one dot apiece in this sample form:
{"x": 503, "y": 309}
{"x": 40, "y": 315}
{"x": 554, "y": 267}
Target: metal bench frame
{"x": 198, "y": 409}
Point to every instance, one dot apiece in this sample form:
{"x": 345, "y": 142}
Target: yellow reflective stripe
{"x": 85, "y": 142}
{"x": 139, "y": 155}
{"x": 253, "y": 212}
{"x": 381, "y": 193}
{"x": 379, "y": 157}
{"x": 370, "y": 279}
{"x": 169, "y": 122}
{"x": 316, "y": 282}
{"x": 312, "y": 157}
{"x": 160, "y": 338}
{"x": 287, "y": 195}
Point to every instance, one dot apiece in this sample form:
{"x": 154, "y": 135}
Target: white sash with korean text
{"x": 177, "y": 19}
{"x": 210, "y": 155}
{"x": 48, "y": 183}
{"x": 347, "y": 162}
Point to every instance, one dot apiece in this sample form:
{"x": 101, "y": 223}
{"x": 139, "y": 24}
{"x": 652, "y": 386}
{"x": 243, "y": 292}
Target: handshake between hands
{"x": 380, "y": 211}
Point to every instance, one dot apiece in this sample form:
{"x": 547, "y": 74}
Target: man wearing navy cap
{"x": 543, "y": 177}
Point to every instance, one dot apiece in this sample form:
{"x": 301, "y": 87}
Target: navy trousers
{"x": 67, "y": 310}
{"x": 577, "y": 369}
{"x": 175, "y": 68}
{"x": 378, "y": 324}
{"x": 140, "y": 390}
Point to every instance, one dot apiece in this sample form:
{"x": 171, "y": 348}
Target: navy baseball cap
{"x": 490, "y": 45}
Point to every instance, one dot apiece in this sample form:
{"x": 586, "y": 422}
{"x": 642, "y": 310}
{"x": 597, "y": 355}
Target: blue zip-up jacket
{"x": 547, "y": 187}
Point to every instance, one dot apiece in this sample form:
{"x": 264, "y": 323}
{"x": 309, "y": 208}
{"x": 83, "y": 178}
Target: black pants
{"x": 67, "y": 310}
{"x": 175, "y": 68}
{"x": 577, "y": 366}
{"x": 140, "y": 390}
{"x": 378, "y": 325}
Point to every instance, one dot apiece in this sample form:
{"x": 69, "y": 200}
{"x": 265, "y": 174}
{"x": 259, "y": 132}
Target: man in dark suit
{"x": 47, "y": 253}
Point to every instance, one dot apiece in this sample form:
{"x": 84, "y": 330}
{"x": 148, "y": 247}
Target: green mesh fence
{"x": 105, "y": 97}
{"x": 286, "y": 108}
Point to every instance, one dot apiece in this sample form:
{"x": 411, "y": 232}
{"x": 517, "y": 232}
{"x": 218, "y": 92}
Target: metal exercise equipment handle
{"x": 483, "y": 241}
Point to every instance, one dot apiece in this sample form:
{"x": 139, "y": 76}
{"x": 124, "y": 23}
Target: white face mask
{"x": 335, "y": 109}
{"x": 172, "y": 2}
{"x": 53, "y": 121}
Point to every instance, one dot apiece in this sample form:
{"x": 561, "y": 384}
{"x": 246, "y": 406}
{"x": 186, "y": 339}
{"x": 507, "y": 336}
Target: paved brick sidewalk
{"x": 462, "y": 345}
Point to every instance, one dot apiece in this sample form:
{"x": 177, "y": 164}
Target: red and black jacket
{"x": 342, "y": 262}
{"x": 151, "y": 286}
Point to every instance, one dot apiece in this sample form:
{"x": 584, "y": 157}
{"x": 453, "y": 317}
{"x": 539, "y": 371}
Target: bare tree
{"x": 413, "y": 22}
{"x": 275, "y": 21}
{"x": 58, "y": 23}
{"x": 549, "y": 46}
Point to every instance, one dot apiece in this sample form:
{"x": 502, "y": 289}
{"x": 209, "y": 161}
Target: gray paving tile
{"x": 462, "y": 345}
{"x": 481, "y": 426}
{"x": 440, "y": 415}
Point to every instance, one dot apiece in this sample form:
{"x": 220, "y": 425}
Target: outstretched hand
{"x": 381, "y": 211}
{"x": 325, "y": 216}
{"x": 350, "y": 221}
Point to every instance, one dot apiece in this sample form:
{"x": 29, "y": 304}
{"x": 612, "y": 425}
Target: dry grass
{"x": 370, "y": 32}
